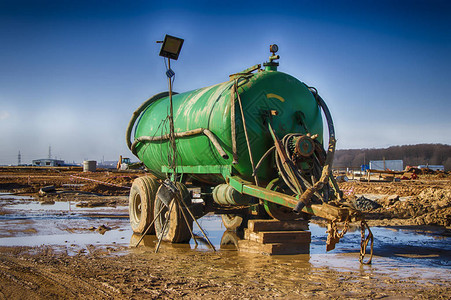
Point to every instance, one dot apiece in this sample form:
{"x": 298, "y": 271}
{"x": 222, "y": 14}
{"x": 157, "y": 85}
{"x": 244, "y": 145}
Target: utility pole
{"x": 171, "y": 49}
{"x": 50, "y": 152}
{"x": 19, "y": 159}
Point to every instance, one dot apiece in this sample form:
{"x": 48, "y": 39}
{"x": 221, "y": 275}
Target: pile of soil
{"x": 403, "y": 188}
{"x": 426, "y": 201}
{"x": 431, "y": 207}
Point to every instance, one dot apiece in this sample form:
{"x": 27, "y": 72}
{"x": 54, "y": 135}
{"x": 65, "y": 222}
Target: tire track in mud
{"x": 13, "y": 274}
{"x": 45, "y": 282}
{"x": 88, "y": 288}
{"x": 37, "y": 273}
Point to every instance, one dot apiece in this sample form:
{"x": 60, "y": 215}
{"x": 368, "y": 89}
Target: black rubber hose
{"x": 138, "y": 112}
{"x": 197, "y": 131}
{"x": 313, "y": 190}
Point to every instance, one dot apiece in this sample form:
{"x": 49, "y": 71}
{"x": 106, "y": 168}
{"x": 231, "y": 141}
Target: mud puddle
{"x": 8, "y": 196}
{"x": 400, "y": 252}
{"x": 62, "y": 225}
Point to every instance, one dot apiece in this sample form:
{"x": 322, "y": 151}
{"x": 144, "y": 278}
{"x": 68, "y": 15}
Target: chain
{"x": 333, "y": 231}
{"x": 364, "y": 243}
{"x": 343, "y": 232}
{"x": 333, "y": 236}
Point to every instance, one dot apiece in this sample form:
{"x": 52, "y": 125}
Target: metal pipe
{"x": 172, "y": 158}
{"x": 138, "y": 112}
{"x": 150, "y": 226}
{"x": 186, "y": 219}
{"x": 197, "y": 131}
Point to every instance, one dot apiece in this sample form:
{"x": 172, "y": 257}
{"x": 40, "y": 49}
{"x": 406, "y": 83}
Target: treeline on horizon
{"x": 412, "y": 155}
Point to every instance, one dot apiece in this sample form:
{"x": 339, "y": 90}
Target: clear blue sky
{"x": 73, "y": 72}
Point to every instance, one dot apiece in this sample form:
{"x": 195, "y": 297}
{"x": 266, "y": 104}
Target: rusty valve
{"x": 304, "y": 146}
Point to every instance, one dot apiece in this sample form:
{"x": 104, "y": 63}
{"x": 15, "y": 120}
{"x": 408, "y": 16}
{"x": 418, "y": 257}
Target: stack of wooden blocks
{"x": 273, "y": 237}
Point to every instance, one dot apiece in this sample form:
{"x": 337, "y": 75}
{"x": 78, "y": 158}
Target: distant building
{"x": 432, "y": 167}
{"x": 48, "y": 162}
{"x": 383, "y": 165}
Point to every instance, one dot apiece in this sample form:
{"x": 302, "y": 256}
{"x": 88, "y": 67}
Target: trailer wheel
{"x": 233, "y": 222}
{"x": 277, "y": 211}
{"x": 140, "y": 204}
{"x": 177, "y": 230}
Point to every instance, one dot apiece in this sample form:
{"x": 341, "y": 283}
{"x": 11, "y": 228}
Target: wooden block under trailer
{"x": 273, "y": 248}
{"x": 275, "y": 225}
{"x": 266, "y": 237}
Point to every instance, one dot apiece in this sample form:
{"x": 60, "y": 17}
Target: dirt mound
{"x": 402, "y": 189}
{"x": 433, "y": 207}
{"x": 430, "y": 207}
{"x": 424, "y": 201}
{"x": 436, "y": 197}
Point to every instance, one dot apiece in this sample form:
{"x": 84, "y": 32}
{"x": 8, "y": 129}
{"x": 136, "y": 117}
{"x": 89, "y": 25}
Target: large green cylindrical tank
{"x": 294, "y": 110}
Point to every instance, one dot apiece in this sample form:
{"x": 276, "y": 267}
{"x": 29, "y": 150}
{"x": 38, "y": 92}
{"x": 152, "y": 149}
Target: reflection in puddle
{"x": 32, "y": 207}
{"x": 430, "y": 257}
{"x": 229, "y": 240}
{"x": 60, "y": 224}
{"x": 398, "y": 251}
{"x": 81, "y": 239}
{"x": 7, "y": 196}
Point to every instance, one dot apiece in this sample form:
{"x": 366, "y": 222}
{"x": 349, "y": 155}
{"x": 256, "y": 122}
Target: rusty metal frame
{"x": 325, "y": 211}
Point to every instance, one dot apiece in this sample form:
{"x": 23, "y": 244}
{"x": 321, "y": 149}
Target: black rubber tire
{"x": 233, "y": 222}
{"x": 276, "y": 211}
{"x": 152, "y": 188}
{"x": 280, "y": 212}
{"x": 176, "y": 231}
{"x": 141, "y": 203}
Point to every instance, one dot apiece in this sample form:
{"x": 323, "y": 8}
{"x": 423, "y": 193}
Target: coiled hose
{"x": 284, "y": 173}
{"x": 306, "y": 190}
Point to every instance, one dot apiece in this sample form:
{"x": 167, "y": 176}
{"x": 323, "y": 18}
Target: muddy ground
{"x": 172, "y": 273}
{"x": 424, "y": 201}
{"x": 116, "y": 271}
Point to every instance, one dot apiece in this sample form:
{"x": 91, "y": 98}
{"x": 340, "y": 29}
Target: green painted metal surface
{"x": 322, "y": 210}
{"x": 210, "y": 108}
{"x": 223, "y": 170}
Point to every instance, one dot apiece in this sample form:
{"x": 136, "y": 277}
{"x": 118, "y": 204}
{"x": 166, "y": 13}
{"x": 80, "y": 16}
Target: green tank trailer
{"x": 254, "y": 146}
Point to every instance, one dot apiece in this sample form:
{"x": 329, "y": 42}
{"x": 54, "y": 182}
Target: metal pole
{"x": 198, "y": 225}
{"x": 150, "y": 225}
{"x": 173, "y": 159}
{"x": 186, "y": 219}
{"x": 164, "y": 227}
